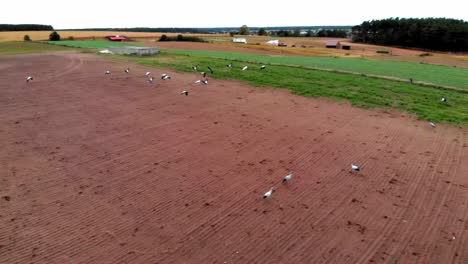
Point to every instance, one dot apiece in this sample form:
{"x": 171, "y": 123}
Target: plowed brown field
{"x": 112, "y": 169}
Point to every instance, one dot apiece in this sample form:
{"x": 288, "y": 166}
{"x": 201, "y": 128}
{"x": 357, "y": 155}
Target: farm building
{"x": 239, "y": 40}
{"x": 346, "y": 47}
{"x": 333, "y": 44}
{"x": 272, "y": 42}
{"x": 117, "y": 38}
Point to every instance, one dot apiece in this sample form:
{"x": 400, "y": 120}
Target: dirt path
{"x": 112, "y": 169}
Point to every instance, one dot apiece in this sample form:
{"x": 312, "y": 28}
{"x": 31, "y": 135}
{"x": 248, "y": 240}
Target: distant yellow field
{"x": 44, "y": 35}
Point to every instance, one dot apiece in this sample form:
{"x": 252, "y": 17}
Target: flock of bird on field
{"x": 204, "y": 80}
{"x": 165, "y": 76}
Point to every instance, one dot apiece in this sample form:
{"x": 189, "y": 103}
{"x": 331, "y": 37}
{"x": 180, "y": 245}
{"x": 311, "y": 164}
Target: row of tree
{"x": 146, "y": 29}
{"x": 430, "y": 33}
{"x": 332, "y": 33}
{"x": 25, "y": 27}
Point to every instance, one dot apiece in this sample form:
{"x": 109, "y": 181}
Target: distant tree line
{"x": 331, "y": 33}
{"x": 208, "y": 30}
{"x": 25, "y": 27}
{"x": 147, "y": 29}
{"x": 429, "y": 33}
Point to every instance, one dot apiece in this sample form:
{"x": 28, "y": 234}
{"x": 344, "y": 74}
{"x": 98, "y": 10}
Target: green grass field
{"x": 92, "y": 44}
{"x": 361, "y": 91}
{"x": 27, "y": 47}
{"x": 435, "y": 74}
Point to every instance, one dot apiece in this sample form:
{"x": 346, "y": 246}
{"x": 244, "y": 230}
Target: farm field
{"x": 91, "y": 44}
{"x": 113, "y": 169}
{"x": 436, "y": 74}
{"x": 315, "y": 47}
{"x": 16, "y": 47}
{"x": 366, "y": 92}
{"x": 360, "y": 90}
{"x": 44, "y": 35}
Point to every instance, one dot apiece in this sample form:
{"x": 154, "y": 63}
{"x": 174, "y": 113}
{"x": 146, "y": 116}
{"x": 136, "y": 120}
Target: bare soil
{"x": 112, "y": 169}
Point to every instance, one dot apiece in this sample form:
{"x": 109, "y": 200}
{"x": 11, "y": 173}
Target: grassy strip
{"x": 18, "y": 47}
{"x": 361, "y": 91}
{"x": 427, "y": 73}
{"x": 93, "y": 44}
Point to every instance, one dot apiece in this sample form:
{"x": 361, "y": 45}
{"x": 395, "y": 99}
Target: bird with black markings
{"x": 268, "y": 194}
{"x": 30, "y": 78}
{"x": 127, "y": 70}
{"x": 165, "y": 76}
{"x": 107, "y": 72}
{"x": 288, "y": 177}
{"x": 262, "y": 67}
{"x": 185, "y": 93}
{"x": 355, "y": 167}
{"x": 443, "y": 100}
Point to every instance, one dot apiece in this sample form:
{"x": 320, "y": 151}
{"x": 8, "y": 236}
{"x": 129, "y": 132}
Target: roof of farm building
{"x": 117, "y": 37}
{"x": 333, "y": 42}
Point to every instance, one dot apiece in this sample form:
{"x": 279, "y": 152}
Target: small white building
{"x": 239, "y": 40}
{"x": 274, "y": 42}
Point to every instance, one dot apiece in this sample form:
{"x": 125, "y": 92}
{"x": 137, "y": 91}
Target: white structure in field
{"x": 139, "y": 51}
{"x": 106, "y": 51}
{"x": 239, "y": 40}
{"x": 274, "y": 42}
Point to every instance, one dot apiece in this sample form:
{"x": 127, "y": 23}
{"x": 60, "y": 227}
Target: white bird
{"x": 262, "y": 67}
{"x": 355, "y": 167}
{"x": 147, "y": 73}
{"x": 30, "y": 78}
{"x": 229, "y": 65}
{"x": 197, "y": 81}
{"x": 444, "y": 100}
{"x": 184, "y": 92}
{"x": 288, "y": 177}
{"x": 150, "y": 79}
{"x": 432, "y": 124}
{"x": 245, "y": 68}
{"x": 107, "y": 72}
{"x": 195, "y": 68}
{"x": 127, "y": 70}
{"x": 268, "y": 194}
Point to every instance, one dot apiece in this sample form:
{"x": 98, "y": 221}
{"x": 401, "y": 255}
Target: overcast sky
{"x": 218, "y": 13}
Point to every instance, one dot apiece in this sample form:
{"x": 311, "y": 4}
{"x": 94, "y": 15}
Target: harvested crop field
{"x": 112, "y": 169}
